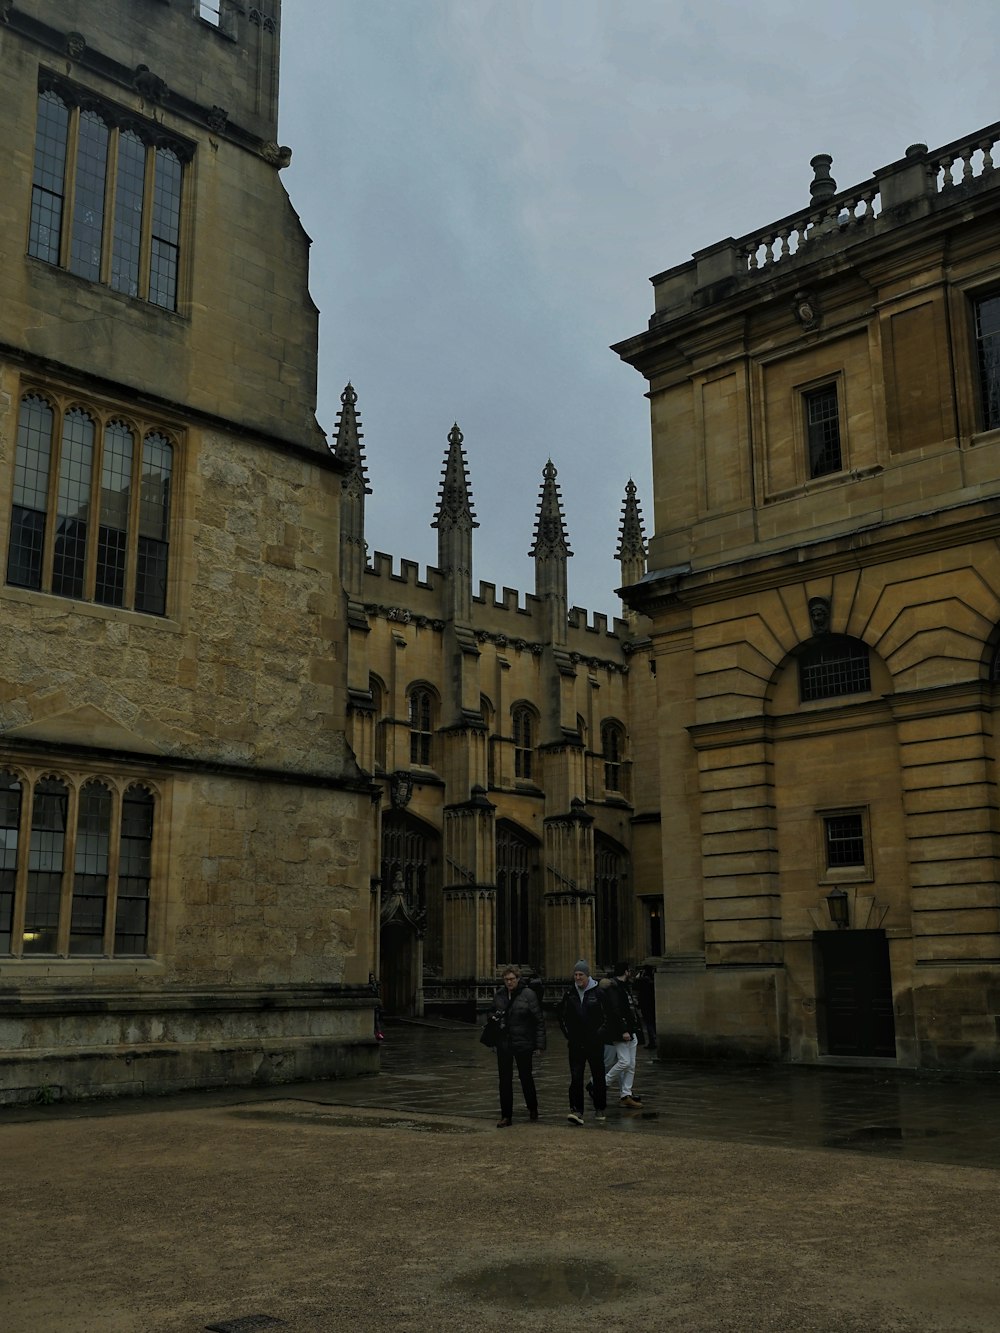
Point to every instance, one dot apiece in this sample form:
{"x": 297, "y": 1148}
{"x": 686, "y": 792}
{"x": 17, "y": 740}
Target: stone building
{"x": 519, "y": 811}
{"x": 824, "y": 601}
{"x": 185, "y": 837}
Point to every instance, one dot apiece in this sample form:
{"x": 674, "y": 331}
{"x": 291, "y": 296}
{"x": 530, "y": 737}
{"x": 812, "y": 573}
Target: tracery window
{"x": 106, "y": 195}
{"x": 518, "y": 928}
{"x": 524, "y": 727}
{"x": 90, "y": 517}
{"x": 75, "y": 867}
{"x": 420, "y": 712}
{"x": 611, "y": 872}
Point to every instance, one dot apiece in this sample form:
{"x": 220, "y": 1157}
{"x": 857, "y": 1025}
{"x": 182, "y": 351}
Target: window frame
{"x": 858, "y": 872}
{"x": 614, "y": 752}
{"x": 142, "y": 553}
{"x": 156, "y": 235}
{"x": 830, "y": 386}
{"x": 987, "y": 385}
{"x": 22, "y": 917}
{"x": 830, "y": 642}
{"x": 524, "y": 731}
{"x": 421, "y": 737}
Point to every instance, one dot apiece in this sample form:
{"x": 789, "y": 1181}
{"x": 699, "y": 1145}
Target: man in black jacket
{"x": 582, "y": 1018}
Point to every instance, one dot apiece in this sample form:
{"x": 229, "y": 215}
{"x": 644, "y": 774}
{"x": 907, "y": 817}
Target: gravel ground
{"x": 328, "y": 1218}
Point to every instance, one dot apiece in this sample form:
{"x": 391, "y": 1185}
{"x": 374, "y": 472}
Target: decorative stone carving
{"x": 805, "y": 307}
{"x": 216, "y": 119}
{"x": 149, "y": 86}
{"x": 76, "y": 44}
{"x": 262, "y": 20}
{"x": 400, "y": 789}
{"x": 819, "y": 615}
{"x": 276, "y": 154}
{"x": 823, "y": 186}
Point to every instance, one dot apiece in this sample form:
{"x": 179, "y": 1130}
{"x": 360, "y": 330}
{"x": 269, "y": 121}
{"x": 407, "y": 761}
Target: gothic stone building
{"x": 824, "y": 601}
{"x": 184, "y": 833}
{"x": 519, "y": 809}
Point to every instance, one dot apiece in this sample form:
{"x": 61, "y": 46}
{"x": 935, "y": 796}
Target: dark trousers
{"x": 506, "y": 1059}
{"x": 579, "y": 1058}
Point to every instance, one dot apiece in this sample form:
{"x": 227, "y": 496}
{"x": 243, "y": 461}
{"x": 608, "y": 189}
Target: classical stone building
{"x": 519, "y": 812}
{"x": 185, "y": 882}
{"x": 824, "y": 602}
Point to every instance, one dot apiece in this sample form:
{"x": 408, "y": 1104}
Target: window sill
{"x": 827, "y": 482}
{"x": 33, "y": 597}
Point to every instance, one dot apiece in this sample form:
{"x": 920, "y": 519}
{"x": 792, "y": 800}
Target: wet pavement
{"x": 441, "y": 1069}
{"x": 437, "y": 1068}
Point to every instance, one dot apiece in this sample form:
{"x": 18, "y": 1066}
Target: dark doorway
{"x": 518, "y": 921}
{"x": 855, "y": 990}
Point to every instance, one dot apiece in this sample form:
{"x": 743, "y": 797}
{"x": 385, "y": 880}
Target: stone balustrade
{"x": 963, "y": 161}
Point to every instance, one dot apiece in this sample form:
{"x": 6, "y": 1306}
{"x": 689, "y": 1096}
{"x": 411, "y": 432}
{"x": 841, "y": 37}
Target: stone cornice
{"x": 876, "y": 544}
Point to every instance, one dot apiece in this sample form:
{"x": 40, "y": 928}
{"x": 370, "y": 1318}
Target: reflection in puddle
{"x": 546, "y": 1284}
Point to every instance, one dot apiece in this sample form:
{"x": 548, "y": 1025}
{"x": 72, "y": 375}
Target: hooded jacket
{"x": 582, "y": 1017}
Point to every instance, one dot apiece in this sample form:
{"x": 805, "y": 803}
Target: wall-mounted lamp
{"x": 836, "y": 902}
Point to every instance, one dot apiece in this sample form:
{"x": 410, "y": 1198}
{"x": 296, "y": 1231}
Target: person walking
{"x": 622, "y": 1040}
{"x": 582, "y": 1018}
{"x": 646, "y": 994}
{"x": 522, "y": 1036}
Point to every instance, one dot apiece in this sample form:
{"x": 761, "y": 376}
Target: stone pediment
{"x": 85, "y": 725}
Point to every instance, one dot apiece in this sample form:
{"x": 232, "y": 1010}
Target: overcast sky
{"x": 489, "y": 185}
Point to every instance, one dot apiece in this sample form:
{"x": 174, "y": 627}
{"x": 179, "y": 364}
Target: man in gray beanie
{"x": 583, "y": 1021}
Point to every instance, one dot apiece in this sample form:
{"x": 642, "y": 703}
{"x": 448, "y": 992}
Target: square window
{"x": 844, "y": 845}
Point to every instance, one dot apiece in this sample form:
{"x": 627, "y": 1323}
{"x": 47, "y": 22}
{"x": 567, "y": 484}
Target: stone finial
{"x": 347, "y": 443}
{"x": 823, "y": 185}
{"x": 454, "y": 508}
{"x": 631, "y": 536}
{"x": 551, "y": 537}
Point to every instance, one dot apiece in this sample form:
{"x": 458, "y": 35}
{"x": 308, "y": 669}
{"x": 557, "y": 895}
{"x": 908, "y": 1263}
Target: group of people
{"x": 603, "y": 1026}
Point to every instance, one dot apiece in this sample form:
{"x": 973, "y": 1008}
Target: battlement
{"x": 579, "y": 619}
{"x": 920, "y": 183}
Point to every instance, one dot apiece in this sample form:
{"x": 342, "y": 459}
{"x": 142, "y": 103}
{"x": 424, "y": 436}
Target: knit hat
{"x": 582, "y": 966}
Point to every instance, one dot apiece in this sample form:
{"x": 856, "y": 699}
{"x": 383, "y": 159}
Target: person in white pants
{"x": 624, "y": 1026}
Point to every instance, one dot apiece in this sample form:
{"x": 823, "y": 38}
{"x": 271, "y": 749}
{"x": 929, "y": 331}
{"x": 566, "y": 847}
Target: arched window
{"x": 611, "y": 867}
{"x": 833, "y": 665}
{"x": 135, "y": 855}
{"x": 525, "y": 735}
{"x": 90, "y": 870}
{"x": 55, "y": 544}
{"x": 613, "y": 749}
{"x": 45, "y": 866}
{"x": 420, "y": 714}
{"x": 518, "y": 932}
{"x": 10, "y": 825}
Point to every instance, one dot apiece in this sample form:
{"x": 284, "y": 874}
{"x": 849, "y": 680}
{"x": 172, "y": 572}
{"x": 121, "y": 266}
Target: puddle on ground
{"x": 333, "y": 1121}
{"x": 877, "y": 1137}
{"x": 546, "y": 1285}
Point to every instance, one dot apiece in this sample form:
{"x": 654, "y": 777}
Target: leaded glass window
{"x": 91, "y": 210}
{"x": 822, "y": 409}
{"x": 71, "y": 464}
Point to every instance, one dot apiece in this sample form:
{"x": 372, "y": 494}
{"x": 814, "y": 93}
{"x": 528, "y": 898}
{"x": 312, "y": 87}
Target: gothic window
{"x": 987, "y": 314}
{"x": 822, "y": 421}
{"x": 75, "y": 465}
{"x": 518, "y": 928}
{"x": 613, "y": 749}
{"x": 610, "y": 894}
{"x": 420, "y": 714}
{"x": 525, "y": 736}
{"x": 833, "y": 666}
{"x": 83, "y": 887}
{"x": 106, "y": 195}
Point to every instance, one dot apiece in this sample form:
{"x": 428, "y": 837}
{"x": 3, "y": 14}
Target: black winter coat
{"x": 623, "y": 1012}
{"x": 583, "y": 1025}
{"x": 524, "y": 1029}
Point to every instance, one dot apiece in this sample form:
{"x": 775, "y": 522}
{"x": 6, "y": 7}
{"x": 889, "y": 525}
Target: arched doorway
{"x": 411, "y": 909}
